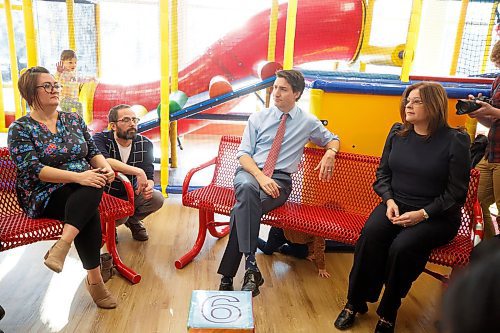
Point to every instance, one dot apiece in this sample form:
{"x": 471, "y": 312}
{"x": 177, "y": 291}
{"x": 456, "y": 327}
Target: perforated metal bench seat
{"x": 335, "y": 210}
{"x": 314, "y": 220}
{"x": 17, "y": 229}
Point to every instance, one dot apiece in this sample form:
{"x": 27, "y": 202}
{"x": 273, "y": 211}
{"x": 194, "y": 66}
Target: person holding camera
{"x": 422, "y": 179}
{"x": 489, "y": 115}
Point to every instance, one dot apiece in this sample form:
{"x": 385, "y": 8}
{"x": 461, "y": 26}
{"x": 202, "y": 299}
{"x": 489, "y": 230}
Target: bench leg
{"x": 198, "y": 244}
{"x": 124, "y": 270}
{"x": 443, "y": 278}
{"x": 212, "y": 226}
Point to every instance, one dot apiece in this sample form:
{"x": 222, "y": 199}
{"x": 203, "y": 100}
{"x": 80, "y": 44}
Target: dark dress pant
{"x": 395, "y": 256}
{"x": 251, "y": 203}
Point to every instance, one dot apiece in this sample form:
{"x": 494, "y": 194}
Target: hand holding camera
{"x": 468, "y": 106}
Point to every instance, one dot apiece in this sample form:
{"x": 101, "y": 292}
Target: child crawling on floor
{"x": 298, "y": 244}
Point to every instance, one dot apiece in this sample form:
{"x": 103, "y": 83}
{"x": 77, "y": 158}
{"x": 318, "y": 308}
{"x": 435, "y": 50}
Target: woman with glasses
{"x": 60, "y": 175}
{"x": 422, "y": 180}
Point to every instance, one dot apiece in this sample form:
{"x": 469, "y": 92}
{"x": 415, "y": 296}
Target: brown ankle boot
{"x": 55, "y": 256}
{"x": 101, "y": 295}
{"x": 106, "y": 267}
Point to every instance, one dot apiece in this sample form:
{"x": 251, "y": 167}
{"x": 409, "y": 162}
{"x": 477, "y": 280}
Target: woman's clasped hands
{"x": 96, "y": 177}
{"x": 407, "y": 219}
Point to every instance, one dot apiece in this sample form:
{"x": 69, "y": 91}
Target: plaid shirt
{"x": 141, "y": 156}
{"x": 493, "y": 149}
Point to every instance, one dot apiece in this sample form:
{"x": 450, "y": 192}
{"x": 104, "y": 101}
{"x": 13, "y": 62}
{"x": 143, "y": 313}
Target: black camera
{"x": 468, "y": 106}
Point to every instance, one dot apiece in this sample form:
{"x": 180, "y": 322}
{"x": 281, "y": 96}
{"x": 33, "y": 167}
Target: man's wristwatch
{"x": 426, "y": 216}
{"x": 333, "y": 149}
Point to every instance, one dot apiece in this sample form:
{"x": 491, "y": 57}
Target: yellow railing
{"x": 14, "y": 70}
{"x": 411, "y": 39}
{"x": 71, "y": 24}
{"x": 458, "y": 37}
{"x": 291, "y": 22}
{"x": 174, "y": 52}
{"x": 164, "y": 93}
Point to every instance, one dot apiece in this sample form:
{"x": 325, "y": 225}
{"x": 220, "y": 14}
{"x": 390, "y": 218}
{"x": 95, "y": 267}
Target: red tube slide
{"x": 325, "y": 30}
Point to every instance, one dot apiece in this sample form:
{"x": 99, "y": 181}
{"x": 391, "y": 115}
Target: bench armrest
{"x": 128, "y": 186}
{"x": 189, "y": 175}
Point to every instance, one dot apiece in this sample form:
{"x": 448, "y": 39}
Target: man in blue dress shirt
{"x": 257, "y": 193}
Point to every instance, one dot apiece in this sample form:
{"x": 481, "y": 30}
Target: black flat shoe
{"x": 345, "y": 319}
{"x": 384, "y": 327}
{"x": 347, "y": 316}
{"x": 252, "y": 281}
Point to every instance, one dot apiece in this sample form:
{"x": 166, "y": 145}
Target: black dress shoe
{"x": 384, "y": 327}
{"x": 347, "y": 316}
{"x": 252, "y": 281}
{"x": 226, "y": 286}
{"x": 2, "y": 312}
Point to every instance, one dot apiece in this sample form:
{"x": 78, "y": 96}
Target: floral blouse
{"x": 33, "y": 146}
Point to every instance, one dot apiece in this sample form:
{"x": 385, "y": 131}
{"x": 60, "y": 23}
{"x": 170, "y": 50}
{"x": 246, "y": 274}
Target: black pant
{"x": 395, "y": 256}
{"x": 276, "y": 239}
{"x": 77, "y": 205}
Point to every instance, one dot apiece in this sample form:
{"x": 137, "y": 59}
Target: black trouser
{"x": 395, "y": 256}
{"x": 77, "y": 205}
{"x": 276, "y": 239}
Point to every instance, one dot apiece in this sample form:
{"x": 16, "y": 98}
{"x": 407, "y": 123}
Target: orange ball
{"x": 219, "y": 85}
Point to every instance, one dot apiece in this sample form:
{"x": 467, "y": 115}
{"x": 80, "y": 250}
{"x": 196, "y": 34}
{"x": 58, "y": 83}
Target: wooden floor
{"x": 292, "y": 299}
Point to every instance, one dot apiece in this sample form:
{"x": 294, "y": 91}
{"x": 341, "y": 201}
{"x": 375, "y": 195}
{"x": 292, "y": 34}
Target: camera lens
{"x": 464, "y": 107}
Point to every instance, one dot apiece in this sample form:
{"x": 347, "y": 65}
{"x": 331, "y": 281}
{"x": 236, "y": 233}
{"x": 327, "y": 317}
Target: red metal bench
{"x": 335, "y": 210}
{"x": 17, "y": 229}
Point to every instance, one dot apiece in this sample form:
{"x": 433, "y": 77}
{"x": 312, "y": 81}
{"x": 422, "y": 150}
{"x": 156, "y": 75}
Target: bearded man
{"x": 131, "y": 154}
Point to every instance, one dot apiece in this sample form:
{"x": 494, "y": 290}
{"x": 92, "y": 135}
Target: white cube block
{"x": 220, "y": 311}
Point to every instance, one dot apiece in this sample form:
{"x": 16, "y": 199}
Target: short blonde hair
{"x": 495, "y": 53}
{"x": 68, "y": 55}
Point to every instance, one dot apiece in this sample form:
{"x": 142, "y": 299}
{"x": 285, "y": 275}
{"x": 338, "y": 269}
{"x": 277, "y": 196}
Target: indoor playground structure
{"x": 193, "y": 71}
{"x": 355, "y": 70}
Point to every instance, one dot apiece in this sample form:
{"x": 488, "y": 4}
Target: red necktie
{"x": 275, "y": 148}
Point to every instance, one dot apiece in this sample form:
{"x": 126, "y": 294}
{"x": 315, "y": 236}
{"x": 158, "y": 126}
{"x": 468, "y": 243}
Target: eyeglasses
{"x": 127, "y": 120}
{"x": 414, "y": 101}
{"x": 49, "y": 87}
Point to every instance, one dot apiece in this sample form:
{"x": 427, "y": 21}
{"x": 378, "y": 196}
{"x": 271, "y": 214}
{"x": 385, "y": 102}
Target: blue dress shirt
{"x": 301, "y": 127}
